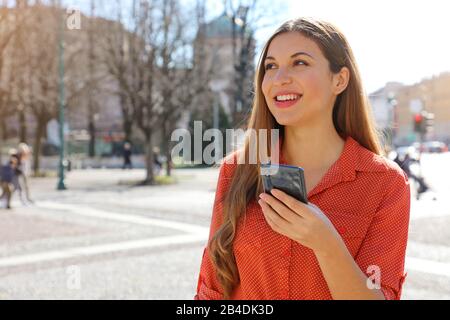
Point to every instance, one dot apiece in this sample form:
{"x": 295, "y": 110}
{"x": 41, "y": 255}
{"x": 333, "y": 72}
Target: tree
{"x": 115, "y": 56}
{"x": 130, "y": 57}
{"x": 17, "y": 48}
{"x": 247, "y": 16}
{"x": 92, "y": 83}
{"x": 8, "y": 27}
{"x": 178, "y": 83}
{"x": 36, "y": 67}
{"x": 143, "y": 73}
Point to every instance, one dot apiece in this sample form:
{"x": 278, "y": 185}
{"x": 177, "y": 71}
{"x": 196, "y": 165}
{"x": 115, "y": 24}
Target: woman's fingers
{"x": 275, "y": 221}
{"x": 279, "y": 207}
{"x": 292, "y": 203}
{"x": 294, "y": 231}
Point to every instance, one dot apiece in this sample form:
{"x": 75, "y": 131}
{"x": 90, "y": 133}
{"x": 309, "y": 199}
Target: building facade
{"x": 383, "y": 105}
{"x": 225, "y": 48}
{"x": 430, "y": 95}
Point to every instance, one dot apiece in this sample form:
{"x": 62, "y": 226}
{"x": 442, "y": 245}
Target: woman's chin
{"x": 286, "y": 120}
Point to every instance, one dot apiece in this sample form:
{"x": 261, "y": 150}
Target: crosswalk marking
{"x": 79, "y": 252}
{"x": 121, "y": 217}
{"x": 191, "y": 234}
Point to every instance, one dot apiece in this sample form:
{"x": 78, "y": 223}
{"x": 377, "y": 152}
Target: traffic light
{"x": 429, "y": 122}
{"x": 418, "y": 123}
{"x": 423, "y": 122}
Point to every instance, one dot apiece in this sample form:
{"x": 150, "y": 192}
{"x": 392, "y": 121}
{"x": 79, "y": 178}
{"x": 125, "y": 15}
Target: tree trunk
{"x": 169, "y": 161}
{"x": 127, "y": 125}
{"x": 23, "y": 127}
{"x": 1, "y": 145}
{"x": 4, "y": 129}
{"x": 166, "y": 147}
{"x": 149, "y": 177}
{"x": 40, "y": 130}
{"x": 91, "y": 121}
{"x": 126, "y": 119}
{"x": 91, "y": 127}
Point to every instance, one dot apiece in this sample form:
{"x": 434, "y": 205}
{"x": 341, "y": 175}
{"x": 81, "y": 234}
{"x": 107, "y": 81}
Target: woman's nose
{"x": 282, "y": 77}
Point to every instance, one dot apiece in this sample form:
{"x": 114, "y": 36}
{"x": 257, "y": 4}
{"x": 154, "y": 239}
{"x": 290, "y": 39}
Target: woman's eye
{"x": 297, "y": 62}
{"x": 300, "y": 62}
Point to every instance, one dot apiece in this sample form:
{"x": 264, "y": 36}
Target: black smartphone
{"x": 290, "y": 179}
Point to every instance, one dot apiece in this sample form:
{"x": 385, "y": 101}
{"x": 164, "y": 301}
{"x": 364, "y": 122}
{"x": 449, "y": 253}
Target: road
{"x": 104, "y": 239}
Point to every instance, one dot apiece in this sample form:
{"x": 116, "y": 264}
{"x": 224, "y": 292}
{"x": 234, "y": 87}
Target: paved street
{"x": 103, "y": 239}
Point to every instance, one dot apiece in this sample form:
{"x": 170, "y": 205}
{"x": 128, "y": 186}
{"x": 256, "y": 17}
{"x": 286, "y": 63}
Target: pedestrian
{"x": 7, "y": 177}
{"x": 405, "y": 164}
{"x": 22, "y": 171}
{"x": 349, "y": 241}
{"x": 127, "y": 156}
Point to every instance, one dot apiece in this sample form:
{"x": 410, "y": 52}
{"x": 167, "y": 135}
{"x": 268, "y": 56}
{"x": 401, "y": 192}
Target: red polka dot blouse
{"x": 366, "y": 197}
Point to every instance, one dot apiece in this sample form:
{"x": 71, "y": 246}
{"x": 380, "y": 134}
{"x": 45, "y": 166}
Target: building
{"x": 383, "y": 104}
{"x": 395, "y": 105}
{"x": 220, "y": 45}
{"x": 432, "y": 95}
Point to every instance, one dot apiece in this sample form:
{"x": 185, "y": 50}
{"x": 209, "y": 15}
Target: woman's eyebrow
{"x": 293, "y": 56}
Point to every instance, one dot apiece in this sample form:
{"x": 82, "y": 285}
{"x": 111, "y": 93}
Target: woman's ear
{"x": 341, "y": 80}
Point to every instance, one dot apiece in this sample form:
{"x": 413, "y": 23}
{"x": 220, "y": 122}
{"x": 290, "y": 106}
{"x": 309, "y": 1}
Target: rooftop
{"x": 222, "y": 26}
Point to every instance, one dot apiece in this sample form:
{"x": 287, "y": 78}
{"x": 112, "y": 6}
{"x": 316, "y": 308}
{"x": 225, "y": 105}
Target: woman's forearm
{"x": 345, "y": 279}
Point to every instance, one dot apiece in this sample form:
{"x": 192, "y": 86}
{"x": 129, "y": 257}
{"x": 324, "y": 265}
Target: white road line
{"x": 78, "y": 252}
{"x": 195, "y": 233}
{"x": 102, "y": 214}
{"x": 428, "y": 266}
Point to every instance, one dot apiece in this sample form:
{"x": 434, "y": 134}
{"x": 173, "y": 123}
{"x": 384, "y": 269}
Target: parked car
{"x": 431, "y": 146}
{"x": 434, "y": 147}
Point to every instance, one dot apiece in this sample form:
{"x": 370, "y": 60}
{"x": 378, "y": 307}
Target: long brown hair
{"x": 351, "y": 117}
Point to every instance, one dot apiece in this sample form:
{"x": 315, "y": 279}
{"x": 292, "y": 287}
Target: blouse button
{"x": 342, "y": 229}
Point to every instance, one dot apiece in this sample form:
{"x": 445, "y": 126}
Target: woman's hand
{"x": 306, "y": 224}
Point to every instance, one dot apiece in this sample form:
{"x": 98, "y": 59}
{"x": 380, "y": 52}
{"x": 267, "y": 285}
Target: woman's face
{"x": 298, "y": 85}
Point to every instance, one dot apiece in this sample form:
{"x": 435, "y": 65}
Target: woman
{"x": 20, "y": 182}
{"x": 349, "y": 242}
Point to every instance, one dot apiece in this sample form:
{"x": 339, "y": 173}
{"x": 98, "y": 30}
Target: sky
{"x": 393, "y": 40}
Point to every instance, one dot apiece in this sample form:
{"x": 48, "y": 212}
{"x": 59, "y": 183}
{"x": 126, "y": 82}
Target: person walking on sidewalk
{"x": 127, "y": 156}
{"x": 20, "y": 181}
{"x": 405, "y": 164}
{"x": 7, "y": 175}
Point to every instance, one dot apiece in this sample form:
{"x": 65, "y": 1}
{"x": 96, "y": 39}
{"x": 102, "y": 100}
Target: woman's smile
{"x": 286, "y": 99}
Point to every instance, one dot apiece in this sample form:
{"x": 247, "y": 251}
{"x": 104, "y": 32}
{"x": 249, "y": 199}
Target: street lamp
{"x": 61, "y": 185}
{"x": 217, "y": 86}
{"x": 392, "y": 117}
